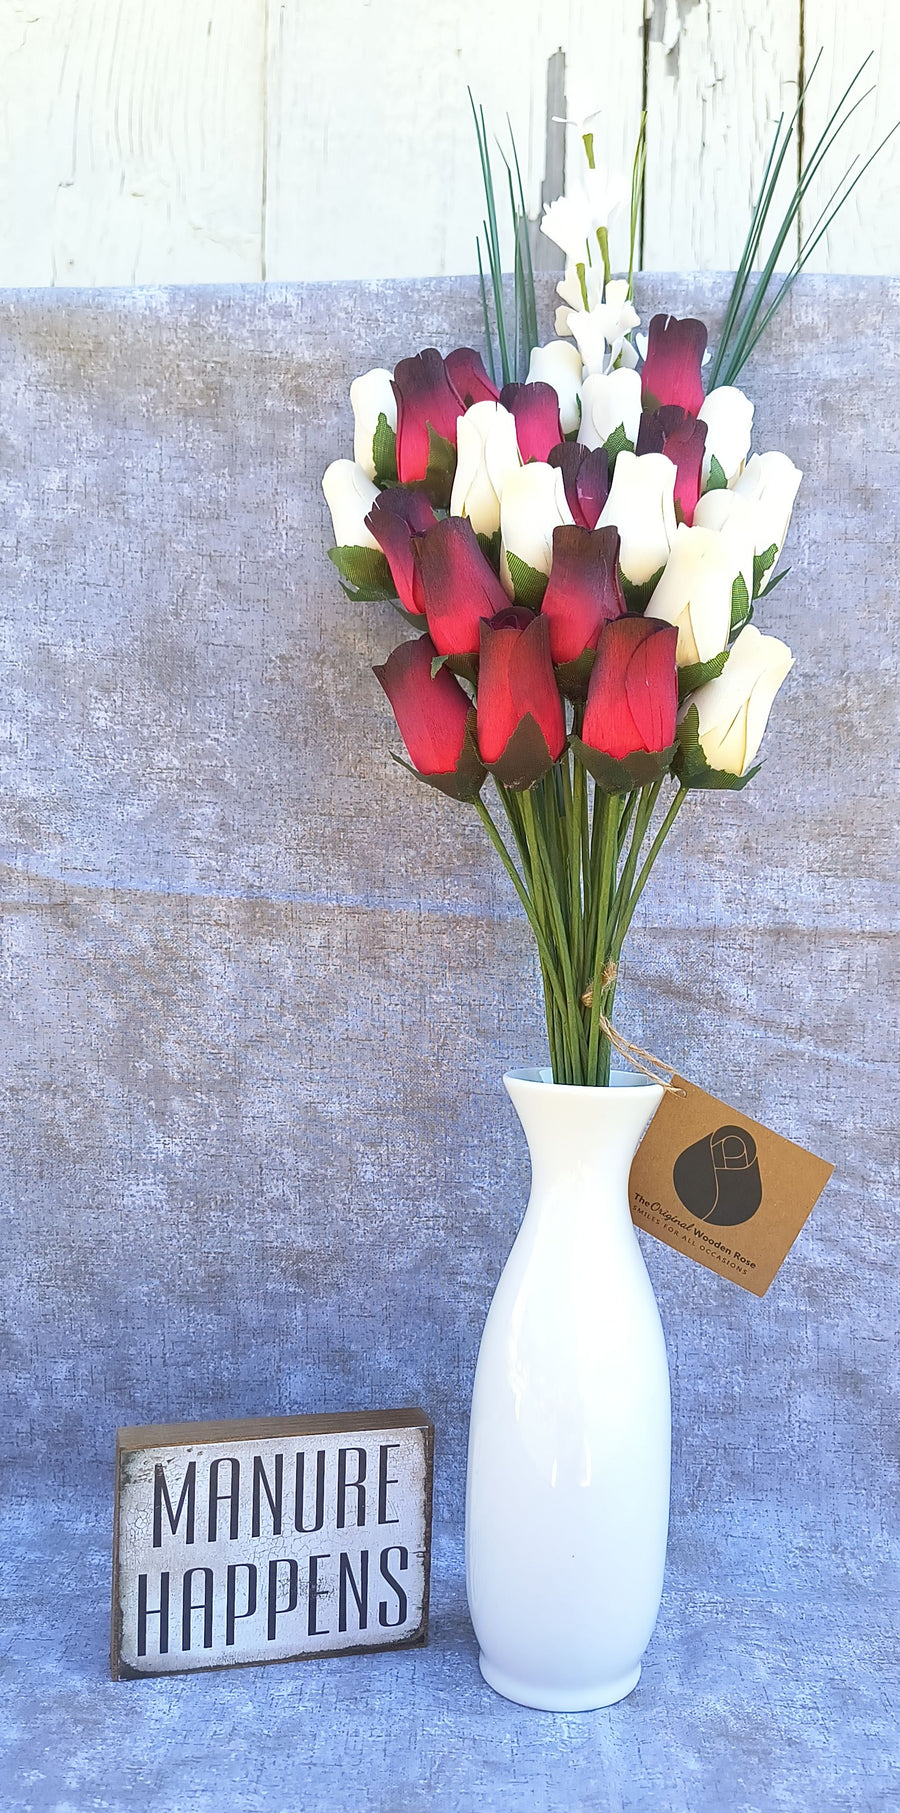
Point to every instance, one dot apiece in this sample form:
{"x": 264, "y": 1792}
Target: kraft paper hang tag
{"x": 722, "y": 1188}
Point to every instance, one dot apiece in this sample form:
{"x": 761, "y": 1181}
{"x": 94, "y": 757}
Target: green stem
{"x": 532, "y": 913}
{"x": 628, "y": 914}
{"x": 541, "y": 858}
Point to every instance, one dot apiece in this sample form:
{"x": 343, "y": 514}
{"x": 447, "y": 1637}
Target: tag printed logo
{"x": 717, "y": 1179}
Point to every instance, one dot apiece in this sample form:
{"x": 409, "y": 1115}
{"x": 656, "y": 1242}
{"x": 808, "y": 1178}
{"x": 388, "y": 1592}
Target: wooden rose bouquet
{"x": 582, "y": 544}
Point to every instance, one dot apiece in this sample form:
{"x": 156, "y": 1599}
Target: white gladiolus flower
{"x": 370, "y": 396}
{"x": 604, "y": 327}
{"x": 487, "y": 454}
{"x": 573, "y": 296}
{"x": 732, "y": 518}
{"x": 728, "y": 415}
{"x": 349, "y": 494}
{"x": 694, "y": 594}
{"x": 572, "y": 221}
{"x": 610, "y": 401}
{"x": 559, "y": 364}
{"x": 532, "y": 506}
{"x": 641, "y": 504}
{"x": 734, "y": 709}
{"x": 769, "y": 482}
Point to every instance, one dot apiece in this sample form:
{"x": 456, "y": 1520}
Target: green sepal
{"x": 366, "y": 572}
{"x": 468, "y": 777}
{"x": 622, "y": 776}
{"x": 414, "y": 620}
{"x": 526, "y": 758}
{"x": 438, "y": 480}
{"x": 637, "y": 597}
{"x": 689, "y": 678}
{"x": 490, "y": 548}
{"x": 761, "y": 564}
{"x": 717, "y": 480}
{"x": 384, "y": 452}
{"x": 465, "y": 667}
{"x": 692, "y": 767}
{"x": 572, "y": 676}
{"x": 741, "y": 609}
{"x": 436, "y": 665}
{"x": 776, "y": 581}
{"x": 529, "y": 585}
{"x": 617, "y": 443}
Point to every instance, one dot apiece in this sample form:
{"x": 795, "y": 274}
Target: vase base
{"x": 549, "y": 1699}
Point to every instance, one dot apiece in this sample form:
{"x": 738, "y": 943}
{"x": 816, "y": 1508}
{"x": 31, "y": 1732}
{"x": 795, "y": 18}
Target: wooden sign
{"x": 271, "y": 1539}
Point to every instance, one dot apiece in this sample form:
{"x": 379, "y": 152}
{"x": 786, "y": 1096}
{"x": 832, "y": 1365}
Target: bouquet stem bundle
{"x": 579, "y": 877}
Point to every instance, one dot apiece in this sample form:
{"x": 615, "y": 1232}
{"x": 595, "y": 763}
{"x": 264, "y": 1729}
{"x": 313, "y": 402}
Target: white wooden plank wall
{"x": 182, "y": 141}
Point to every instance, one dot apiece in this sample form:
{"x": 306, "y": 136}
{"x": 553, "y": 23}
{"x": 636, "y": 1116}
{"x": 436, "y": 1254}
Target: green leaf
{"x": 692, "y": 767}
{"x": 717, "y": 480}
{"x": 637, "y": 597}
{"x": 689, "y": 678}
{"x": 740, "y": 603}
{"x": 612, "y": 775}
{"x": 384, "y": 452}
{"x": 438, "y": 481}
{"x": 761, "y": 564}
{"x": 572, "y": 676}
{"x": 366, "y": 571}
{"x": 529, "y": 586}
{"x": 617, "y": 443}
{"x": 490, "y": 548}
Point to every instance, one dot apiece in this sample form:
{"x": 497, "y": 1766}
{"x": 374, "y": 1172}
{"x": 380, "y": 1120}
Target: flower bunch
{"x": 578, "y": 557}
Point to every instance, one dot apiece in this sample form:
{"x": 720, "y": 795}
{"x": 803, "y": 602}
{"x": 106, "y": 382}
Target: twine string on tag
{"x": 635, "y": 1054}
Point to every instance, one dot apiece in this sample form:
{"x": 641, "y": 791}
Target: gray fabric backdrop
{"x": 259, "y": 989}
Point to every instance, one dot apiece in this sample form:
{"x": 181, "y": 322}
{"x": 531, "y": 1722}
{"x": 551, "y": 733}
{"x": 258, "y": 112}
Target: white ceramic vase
{"x": 567, "y": 1500}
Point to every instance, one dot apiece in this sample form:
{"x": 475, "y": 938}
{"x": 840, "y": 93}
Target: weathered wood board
{"x": 195, "y": 141}
{"x": 269, "y": 1540}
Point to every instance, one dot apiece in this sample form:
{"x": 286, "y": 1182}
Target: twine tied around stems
{"x": 635, "y": 1054}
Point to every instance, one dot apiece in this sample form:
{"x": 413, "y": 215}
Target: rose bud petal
{"x": 371, "y": 395}
{"x": 559, "y": 364}
{"x": 585, "y": 479}
{"x": 455, "y": 585}
{"x": 694, "y": 594}
{"x": 734, "y": 709}
{"x": 532, "y": 506}
{"x": 641, "y": 504}
{"x": 583, "y": 591}
{"x": 466, "y": 372}
{"x": 733, "y": 518}
{"x": 487, "y": 452}
{"x": 535, "y": 409}
{"x": 671, "y": 371}
{"x": 610, "y": 402}
{"x": 769, "y": 482}
{"x": 633, "y": 692}
{"x": 521, "y": 724}
{"x": 425, "y": 399}
{"x": 349, "y": 494}
{"x": 436, "y": 719}
{"x": 728, "y": 415}
{"x": 395, "y": 517}
{"x": 681, "y": 437}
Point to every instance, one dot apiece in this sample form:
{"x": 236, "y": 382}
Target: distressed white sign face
{"x": 269, "y": 1540}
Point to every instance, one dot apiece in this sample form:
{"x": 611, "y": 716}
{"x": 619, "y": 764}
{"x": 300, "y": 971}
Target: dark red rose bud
{"x": 633, "y": 692}
{"x": 679, "y": 435}
{"x": 671, "y": 371}
{"x": 455, "y": 585}
{"x": 466, "y": 372}
{"x": 586, "y": 480}
{"x": 535, "y": 409}
{"x": 521, "y": 725}
{"x": 432, "y": 714}
{"x": 395, "y": 517}
{"x": 425, "y": 398}
{"x": 584, "y": 590}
